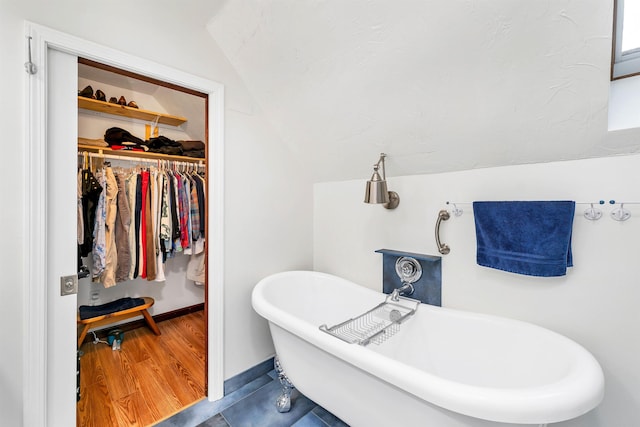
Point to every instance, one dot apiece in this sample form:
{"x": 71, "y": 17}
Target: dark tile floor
{"x": 252, "y": 404}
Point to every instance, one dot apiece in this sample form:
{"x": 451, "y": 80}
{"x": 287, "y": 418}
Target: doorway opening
{"x": 50, "y": 316}
{"x": 141, "y": 240}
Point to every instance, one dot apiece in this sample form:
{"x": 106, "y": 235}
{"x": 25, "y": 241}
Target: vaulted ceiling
{"x": 437, "y": 85}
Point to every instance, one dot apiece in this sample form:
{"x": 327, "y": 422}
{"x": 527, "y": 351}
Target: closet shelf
{"x": 133, "y": 113}
{"x": 138, "y": 154}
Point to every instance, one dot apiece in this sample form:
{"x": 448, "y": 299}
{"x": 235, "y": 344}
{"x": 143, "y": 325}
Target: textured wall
{"x": 439, "y": 86}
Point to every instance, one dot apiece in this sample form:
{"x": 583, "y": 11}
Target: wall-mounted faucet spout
{"x": 405, "y": 290}
{"x": 409, "y": 271}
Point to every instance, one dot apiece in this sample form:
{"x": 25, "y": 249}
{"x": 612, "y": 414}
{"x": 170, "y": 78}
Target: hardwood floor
{"x": 150, "y": 379}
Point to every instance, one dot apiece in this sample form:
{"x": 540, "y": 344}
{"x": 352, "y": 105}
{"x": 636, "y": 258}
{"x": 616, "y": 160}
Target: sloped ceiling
{"x": 437, "y": 85}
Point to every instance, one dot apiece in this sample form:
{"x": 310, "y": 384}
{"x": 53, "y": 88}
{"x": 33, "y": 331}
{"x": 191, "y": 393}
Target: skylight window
{"x": 630, "y": 32}
{"x": 626, "y": 58}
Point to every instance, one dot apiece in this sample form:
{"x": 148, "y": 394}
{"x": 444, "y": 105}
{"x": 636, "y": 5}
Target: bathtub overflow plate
{"x": 408, "y": 269}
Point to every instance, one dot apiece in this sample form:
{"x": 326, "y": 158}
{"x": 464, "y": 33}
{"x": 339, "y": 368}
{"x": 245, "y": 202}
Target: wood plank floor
{"x": 150, "y": 379}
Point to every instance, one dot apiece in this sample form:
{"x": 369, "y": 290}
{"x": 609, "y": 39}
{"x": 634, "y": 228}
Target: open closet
{"x": 142, "y": 236}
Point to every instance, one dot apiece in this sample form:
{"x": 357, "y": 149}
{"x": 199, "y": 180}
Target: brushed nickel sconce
{"x": 377, "y": 191}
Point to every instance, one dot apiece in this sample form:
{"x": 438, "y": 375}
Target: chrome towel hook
{"x": 456, "y": 211}
{"x": 620, "y": 214}
{"x": 592, "y": 213}
{"x": 443, "y": 248}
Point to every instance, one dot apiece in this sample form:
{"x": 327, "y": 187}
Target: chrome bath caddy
{"x": 377, "y": 324}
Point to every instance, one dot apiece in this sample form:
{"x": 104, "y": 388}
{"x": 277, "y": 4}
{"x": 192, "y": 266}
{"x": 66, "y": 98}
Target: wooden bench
{"x": 116, "y": 316}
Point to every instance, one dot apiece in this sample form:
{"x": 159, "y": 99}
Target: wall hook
{"x": 456, "y": 211}
{"x": 620, "y": 214}
{"x": 592, "y": 213}
{"x": 29, "y": 66}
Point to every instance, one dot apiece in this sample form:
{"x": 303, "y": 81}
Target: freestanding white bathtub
{"x": 443, "y": 368}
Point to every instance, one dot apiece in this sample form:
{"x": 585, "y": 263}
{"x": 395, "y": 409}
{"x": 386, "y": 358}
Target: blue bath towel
{"x": 531, "y": 238}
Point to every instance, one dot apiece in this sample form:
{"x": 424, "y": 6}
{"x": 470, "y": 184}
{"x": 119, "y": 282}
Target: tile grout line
{"x": 321, "y": 420}
{"x": 225, "y": 420}
{"x": 247, "y": 395}
{"x": 235, "y": 402}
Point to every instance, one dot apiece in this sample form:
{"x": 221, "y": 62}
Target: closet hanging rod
{"x": 199, "y": 163}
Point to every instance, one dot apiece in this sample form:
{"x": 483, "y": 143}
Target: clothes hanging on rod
{"x": 142, "y": 217}
{"x": 122, "y": 227}
{"x": 98, "y": 250}
{"x": 88, "y": 192}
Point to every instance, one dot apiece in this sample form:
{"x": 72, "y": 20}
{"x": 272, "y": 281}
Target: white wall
{"x": 268, "y": 213}
{"x": 596, "y": 304}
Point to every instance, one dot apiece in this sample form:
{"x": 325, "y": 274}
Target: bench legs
{"x": 114, "y": 318}
{"x": 150, "y": 322}
{"x": 83, "y": 334}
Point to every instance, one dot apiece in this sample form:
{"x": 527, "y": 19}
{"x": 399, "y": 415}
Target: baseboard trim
{"x": 135, "y": 324}
{"x": 245, "y": 377}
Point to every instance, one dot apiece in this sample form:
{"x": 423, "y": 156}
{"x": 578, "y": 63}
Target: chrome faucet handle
{"x": 408, "y": 269}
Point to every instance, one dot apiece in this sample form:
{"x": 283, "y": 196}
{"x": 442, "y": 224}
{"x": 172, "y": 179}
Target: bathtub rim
{"x": 526, "y": 405}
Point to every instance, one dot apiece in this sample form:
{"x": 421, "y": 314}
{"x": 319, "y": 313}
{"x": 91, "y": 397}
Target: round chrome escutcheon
{"x": 408, "y": 269}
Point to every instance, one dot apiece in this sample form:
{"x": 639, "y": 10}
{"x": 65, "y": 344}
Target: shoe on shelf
{"x": 122, "y": 101}
{"x": 100, "y": 96}
{"x": 132, "y": 104}
{"x": 113, "y": 100}
{"x": 87, "y": 92}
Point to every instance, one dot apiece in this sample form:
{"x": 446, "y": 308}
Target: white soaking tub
{"x": 442, "y": 368}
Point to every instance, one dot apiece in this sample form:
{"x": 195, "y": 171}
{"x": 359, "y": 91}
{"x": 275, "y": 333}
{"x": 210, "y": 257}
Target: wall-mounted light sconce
{"x": 377, "y": 191}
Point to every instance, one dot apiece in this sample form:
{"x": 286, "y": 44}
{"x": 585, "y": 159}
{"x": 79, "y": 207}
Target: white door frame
{"x": 35, "y": 374}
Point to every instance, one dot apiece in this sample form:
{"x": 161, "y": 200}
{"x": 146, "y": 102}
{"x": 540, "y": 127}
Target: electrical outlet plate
{"x": 69, "y": 285}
